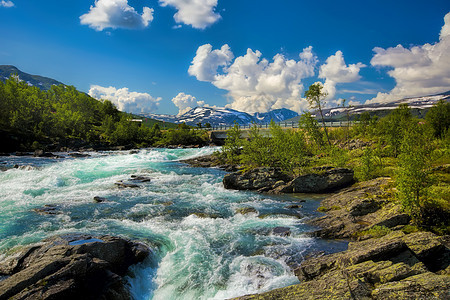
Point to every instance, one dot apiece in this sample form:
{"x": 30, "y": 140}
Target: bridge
{"x": 291, "y": 124}
{"x": 218, "y": 133}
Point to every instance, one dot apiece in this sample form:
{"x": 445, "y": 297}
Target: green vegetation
{"x": 315, "y": 96}
{"x": 62, "y": 116}
{"x": 284, "y": 149}
{"x": 232, "y": 147}
{"x": 414, "y": 152}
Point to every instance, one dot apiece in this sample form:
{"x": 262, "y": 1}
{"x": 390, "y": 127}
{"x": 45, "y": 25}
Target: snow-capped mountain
{"x": 424, "y": 102}
{"x": 225, "y": 116}
{"x": 278, "y": 115}
{"x": 419, "y": 105}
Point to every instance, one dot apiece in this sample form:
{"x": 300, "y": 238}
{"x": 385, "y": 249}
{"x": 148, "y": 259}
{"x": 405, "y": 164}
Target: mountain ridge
{"x": 419, "y": 106}
{"x": 42, "y": 82}
{"x": 224, "y": 116}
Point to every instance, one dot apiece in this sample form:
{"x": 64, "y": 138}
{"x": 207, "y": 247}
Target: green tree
{"x": 438, "y": 117}
{"x": 367, "y": 164}
{"x": 347, "y": 114}
{"x": 288, "y": 149}
{"x": 393, "y": 126}
{"x": 413, "y": 176}
{"x": 316, "y": 96}
{"x": 233, "y": 144}
{"x": 257, "y": 151}
{"x": 311, "y": 126}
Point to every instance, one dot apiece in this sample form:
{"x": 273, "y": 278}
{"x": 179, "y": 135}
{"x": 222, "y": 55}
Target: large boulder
{"x": 262, "y": 179}
{"x": 326, "y": 181}
{"x": 71, "y": 267}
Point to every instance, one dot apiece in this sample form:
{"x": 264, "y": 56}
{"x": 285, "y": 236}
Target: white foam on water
{"x": 220, "y": 255}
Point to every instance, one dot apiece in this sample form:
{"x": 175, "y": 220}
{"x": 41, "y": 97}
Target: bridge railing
{"x": 281, "y": 124}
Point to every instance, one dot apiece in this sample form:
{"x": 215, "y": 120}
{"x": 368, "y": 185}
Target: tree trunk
{"x": 324, "y": 127}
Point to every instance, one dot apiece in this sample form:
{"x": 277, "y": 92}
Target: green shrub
{"x": 233, "y": 144}
{"x": 413, "y": 174}
{"x": 438, "y": 117}
{"x": 312, "y": 128}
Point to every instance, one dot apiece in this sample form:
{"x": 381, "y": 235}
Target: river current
{"x": 202, "y": 248}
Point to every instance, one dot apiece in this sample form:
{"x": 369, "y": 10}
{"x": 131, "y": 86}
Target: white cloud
{"x": 125, "y": 100}
{"x": 255, "y": 84}
{"x": 445, "y": 31}
{"x": 116, "y": 14}
{"x": 418, "y": 71}
{"x": 206, "y": 62}
{"x": 186, "y": 102}
{"x": 335, "y": 71}
{"x": 197, "y": 13}
{"x": 6, "y": 3}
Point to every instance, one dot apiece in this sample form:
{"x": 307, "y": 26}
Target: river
{"x": 202, "y": 248}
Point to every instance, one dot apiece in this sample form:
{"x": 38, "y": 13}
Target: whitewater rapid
{"x": 202, "y": 249}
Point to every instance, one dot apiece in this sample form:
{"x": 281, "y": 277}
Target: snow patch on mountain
{"x": 224, "y": 116}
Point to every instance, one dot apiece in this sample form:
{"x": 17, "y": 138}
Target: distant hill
{"x": 224, "y": 116}
{"x": 44, "y": 83}
{"x": 419, "y": 106}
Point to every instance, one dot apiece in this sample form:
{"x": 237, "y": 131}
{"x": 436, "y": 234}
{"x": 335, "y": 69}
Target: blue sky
{"x": 164, "y": 56}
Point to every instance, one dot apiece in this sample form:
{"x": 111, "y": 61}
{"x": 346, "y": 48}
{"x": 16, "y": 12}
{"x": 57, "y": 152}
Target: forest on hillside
{"x": 31, "y": 119}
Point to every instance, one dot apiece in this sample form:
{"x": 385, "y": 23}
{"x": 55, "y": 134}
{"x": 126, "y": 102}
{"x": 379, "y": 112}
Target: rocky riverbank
{"x": 385, "y": 260}
{"x": 71, "y": 267}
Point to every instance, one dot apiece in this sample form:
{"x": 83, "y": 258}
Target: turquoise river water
{"x": 219, "y": 256}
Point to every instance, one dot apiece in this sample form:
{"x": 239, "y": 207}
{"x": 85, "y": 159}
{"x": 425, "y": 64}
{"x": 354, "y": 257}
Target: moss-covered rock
{"x": 423, "y": 286}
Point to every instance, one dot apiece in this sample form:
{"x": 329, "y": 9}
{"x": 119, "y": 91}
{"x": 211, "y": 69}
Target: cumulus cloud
{"x": 6, "y": 3}
{"x": 186, "y": 102}
{"x": 418, "y": 71}
{"x": 132, "y": 102}
{"x": 335, "y": 71}
{"x": 206, "y": 61}
{"x": 197, "y": 13}
{"x": 253, "y": 83}
{"x": 116, "y": 14}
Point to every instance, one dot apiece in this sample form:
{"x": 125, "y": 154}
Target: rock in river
{"x": 262, "y": 179}
{"x": 71, "y": 267}
{"x": 329, "y": 180}
{"x": 272, "y": 180}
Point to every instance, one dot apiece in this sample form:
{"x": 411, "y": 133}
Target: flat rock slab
{"x": 384, "y": 268}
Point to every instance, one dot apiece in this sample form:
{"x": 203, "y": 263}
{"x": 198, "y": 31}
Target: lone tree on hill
{"x": 315, "y": 96}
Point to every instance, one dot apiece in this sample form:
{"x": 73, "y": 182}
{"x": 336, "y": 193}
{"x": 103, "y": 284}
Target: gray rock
{"x": 281, "y": 231}
{"x": 71, "y": 267}
{"x": 42, "y": 153}
{"x": 330, "y": 180}
{"x": 246, "y": 210}
{"x": 78, "y": 154}
{"x": 256, "y": 179}
{"x": 293, "y": 206}
{"x": 99, "y": 199}
{"x": 48, "y": 209}
{"x": 122, "y": 184}
{"x": 140, "y": 178}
